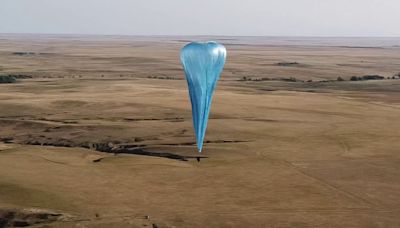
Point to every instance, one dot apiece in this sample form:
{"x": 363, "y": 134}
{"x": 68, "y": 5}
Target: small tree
{"x": 340, "y": 79}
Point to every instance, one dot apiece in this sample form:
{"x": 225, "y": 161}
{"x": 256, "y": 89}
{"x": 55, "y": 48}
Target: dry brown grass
{"x": 280, "y": 154}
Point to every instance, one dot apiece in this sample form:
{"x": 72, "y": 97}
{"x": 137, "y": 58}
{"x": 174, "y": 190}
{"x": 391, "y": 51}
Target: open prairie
{"x": 100, "y": 134}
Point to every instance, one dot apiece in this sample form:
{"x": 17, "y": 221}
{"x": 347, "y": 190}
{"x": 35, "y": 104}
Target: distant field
{"x": 317, "y": 58}
{"x": 101, "y": 136}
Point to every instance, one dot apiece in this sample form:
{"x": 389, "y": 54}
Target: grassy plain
{"x": 279, "y": 154}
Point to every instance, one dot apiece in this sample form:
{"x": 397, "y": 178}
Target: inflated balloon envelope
{"x": 203, "y": 64}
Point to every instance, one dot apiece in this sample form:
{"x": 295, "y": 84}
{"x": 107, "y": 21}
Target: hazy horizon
{"x": 197, "y": 35}
{"x": 273, "y": 18}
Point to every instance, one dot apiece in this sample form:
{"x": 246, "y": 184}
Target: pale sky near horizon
{"x": 203, "y": 17}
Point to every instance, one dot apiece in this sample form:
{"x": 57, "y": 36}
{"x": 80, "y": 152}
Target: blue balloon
{"x": 203, "y": 64}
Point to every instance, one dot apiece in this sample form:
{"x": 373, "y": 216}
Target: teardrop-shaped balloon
{"x": 203, "y": 64}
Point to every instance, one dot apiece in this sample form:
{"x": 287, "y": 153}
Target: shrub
{"x": 372, "y": 77}
{"x": 291, "y": 79}
{"x": 354, "y": 78}
{"x": 287, "y": 63}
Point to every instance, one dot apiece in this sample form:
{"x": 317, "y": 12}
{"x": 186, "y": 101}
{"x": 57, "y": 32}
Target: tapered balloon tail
{"x": 203, "y": 64}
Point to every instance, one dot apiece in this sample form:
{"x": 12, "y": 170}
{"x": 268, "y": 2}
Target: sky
{"x": 203, "y": 17}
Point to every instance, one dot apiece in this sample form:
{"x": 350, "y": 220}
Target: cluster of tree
{"x": 19, "y": 76}
{"x": 23, "y": 53}
{"x": 29, "y": 53}
{"x": 290, "y": 79}
{"x": 367, "y": 77}
{"x": 7, "y": 79}
{"x": 287, "y": 63}
{"x": 164, "y": 77}
{"x": 372, "y": 77}
{"x": 340, "y": 79}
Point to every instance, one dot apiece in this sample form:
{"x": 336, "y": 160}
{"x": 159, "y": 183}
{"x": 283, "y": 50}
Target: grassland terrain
{"x": 99, "y": 134}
